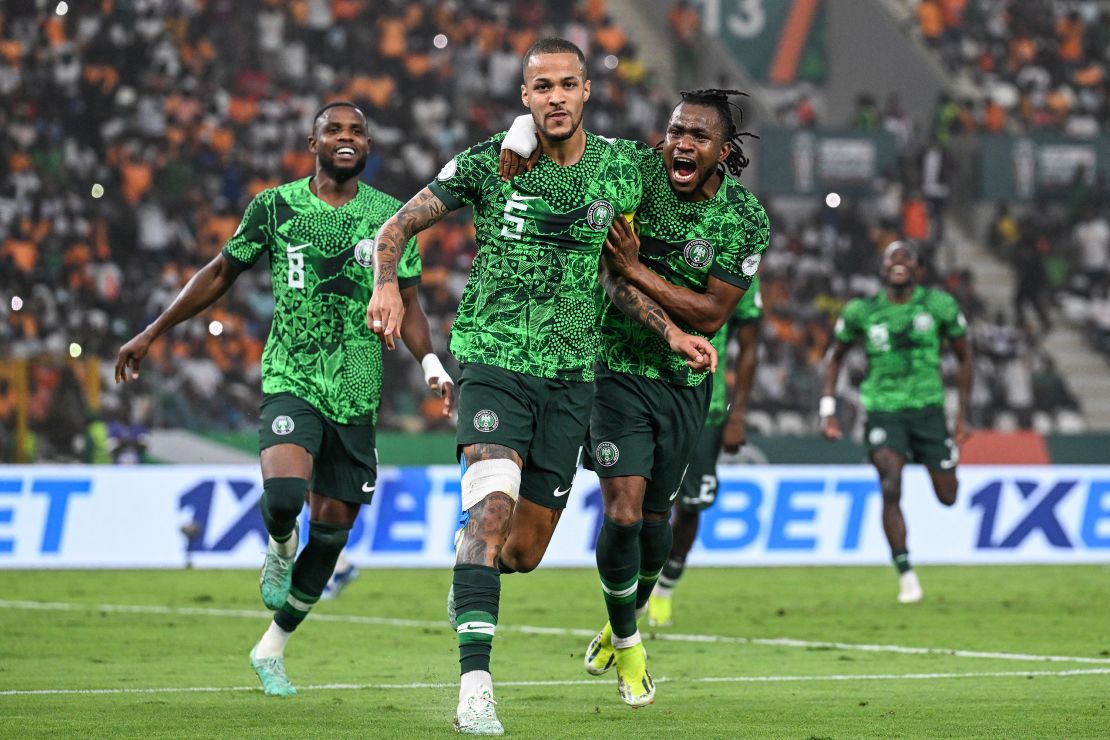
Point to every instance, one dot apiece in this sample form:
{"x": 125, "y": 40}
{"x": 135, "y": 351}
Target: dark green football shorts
{"x": 345, "y": 460}
{"x": 918, "y": 434}
{"x": 646, "y": 428}
{"x": 543, "y": 420}
{"x": 699, "y": 487}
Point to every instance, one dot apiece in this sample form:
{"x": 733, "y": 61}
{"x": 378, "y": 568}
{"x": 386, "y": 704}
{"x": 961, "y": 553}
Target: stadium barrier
{"x": 207, "y": 516}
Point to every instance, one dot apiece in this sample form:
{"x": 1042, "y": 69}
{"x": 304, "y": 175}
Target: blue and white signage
{"x": 166, "y": 516}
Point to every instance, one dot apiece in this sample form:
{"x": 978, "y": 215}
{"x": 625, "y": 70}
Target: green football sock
{"x": 618, "y": 564}
{"x": 311, "y": 572}
{"x": 655, "y": 546}
{"x": 477, "y": 591}
{"x": 902, "y": 561}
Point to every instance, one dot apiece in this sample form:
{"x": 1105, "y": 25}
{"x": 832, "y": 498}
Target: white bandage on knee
{"x": 489, "y": 476}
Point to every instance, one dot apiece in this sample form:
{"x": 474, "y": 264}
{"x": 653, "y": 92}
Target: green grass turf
{"x": 1030, "y": 610}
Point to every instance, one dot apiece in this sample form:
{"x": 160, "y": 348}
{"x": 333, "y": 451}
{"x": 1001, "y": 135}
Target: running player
{"x": 723, "y": 430}
{"x": 902, "y": 329}
{"x": 526, "y": 336}
{"x": 321, "y": 368}
{"x": 701, "y": 234}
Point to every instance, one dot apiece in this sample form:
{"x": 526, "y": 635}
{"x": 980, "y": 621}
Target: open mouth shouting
{"x": 683, "y": 170}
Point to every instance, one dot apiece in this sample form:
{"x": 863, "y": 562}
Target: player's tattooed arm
{"x": 386, "y": 310}
{"x": 704, "y": 312}
{"x": 697, "y": 351}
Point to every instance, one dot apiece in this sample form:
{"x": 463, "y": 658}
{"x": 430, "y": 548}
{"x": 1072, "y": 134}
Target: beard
{"x": 575, "y": 123}
{"x": 341, "y": 172}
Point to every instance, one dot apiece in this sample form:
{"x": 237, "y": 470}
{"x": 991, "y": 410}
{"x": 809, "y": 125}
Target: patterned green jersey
{"x": 319, "y": 348}
{"x": 903, "y": 346}
{"x": 749, "y": 309}
{"x": 529, "y": 305}
{"x": 684, "y": 242}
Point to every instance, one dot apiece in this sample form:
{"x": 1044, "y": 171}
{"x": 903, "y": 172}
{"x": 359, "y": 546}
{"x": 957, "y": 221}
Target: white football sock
{"x": 473, "y": 683}
{"x": 272, "y": 642}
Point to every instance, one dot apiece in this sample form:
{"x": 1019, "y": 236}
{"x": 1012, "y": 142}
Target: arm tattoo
{"x": 635, "y": 303}
{"x": 423, "y": 210}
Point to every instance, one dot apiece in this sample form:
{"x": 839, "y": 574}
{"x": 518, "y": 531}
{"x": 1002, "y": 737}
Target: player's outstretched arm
{"x": 417, "y": 336}
{"x": 733, "y": 436}
{"x": 697, "y": 351}
{"x": 830, "y": 427}
{"x": 386, "y": 310}
{"x": 202, "y": 290}
{"x": 704, "y": 312}
{"x": 962, "y": 350}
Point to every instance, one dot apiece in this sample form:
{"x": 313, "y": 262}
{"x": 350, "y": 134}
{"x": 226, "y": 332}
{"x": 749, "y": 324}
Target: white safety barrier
{"x": 168, "y": 516}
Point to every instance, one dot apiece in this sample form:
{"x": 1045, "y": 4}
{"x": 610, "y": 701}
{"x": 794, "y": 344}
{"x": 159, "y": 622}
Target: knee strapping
{"x": 489, "y": 476}
{"x": 282, "y": 501}
{"x": 331, "y": 537}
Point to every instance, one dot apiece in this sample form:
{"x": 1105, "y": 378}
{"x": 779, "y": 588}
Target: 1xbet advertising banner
{"x": 166, "y": 517}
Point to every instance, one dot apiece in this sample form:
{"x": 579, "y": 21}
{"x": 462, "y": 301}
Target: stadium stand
{"x": 132, "y": 139}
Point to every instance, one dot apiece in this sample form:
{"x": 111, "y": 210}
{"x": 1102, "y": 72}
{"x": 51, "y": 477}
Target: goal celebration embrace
{"x": 554, "y": 369}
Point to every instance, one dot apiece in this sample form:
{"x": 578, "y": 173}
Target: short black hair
{"x": 334, "y": 104}
{"x": 736, "y": 161}
{"x": 553, "y": 45}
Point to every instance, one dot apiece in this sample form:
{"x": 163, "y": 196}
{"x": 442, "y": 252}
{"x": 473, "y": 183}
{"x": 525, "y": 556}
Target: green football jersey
{"x": 529, "y": 304}
{"x": 749, "y": 309}
{"x": 321, "y": 264}
{"x": 903, "y": 342}
{"x": 684, "y": 242}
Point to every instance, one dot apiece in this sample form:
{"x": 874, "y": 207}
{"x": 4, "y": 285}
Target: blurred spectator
{"x": 684, "y": 22}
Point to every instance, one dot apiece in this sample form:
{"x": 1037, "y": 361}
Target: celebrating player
{"x": 701, "y": 234}
{"x": 321, "y": 368}
{"x": 724, "y": 429}
{"x": 902, "y": 329}
{"x": 526, "y": 335}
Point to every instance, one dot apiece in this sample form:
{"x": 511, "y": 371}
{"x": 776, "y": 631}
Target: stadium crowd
{"x": 1040, "y": 65}
{"x": 133, "y": 134}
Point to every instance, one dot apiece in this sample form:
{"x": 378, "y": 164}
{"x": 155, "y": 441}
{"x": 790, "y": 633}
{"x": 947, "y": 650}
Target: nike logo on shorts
{"x": 560, "y": 492}
{"x": 673, "y": 496}
{"x": 367, "y": 488}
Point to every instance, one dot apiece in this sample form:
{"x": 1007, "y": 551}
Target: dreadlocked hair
{"x": 717, "y": 98}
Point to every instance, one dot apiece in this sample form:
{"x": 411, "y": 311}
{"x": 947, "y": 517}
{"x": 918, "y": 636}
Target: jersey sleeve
{"x": 848, "y": 327}
{"x": 409, "y": 268}
{"x": 251, "y": 240}
{"x": 460, "y": 181}
{"x": 750, "y": 307}
{"x": 953, "y": 323}
{"x": 737, "y": 263}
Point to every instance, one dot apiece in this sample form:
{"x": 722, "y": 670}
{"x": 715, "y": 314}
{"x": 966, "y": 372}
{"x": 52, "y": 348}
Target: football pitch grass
{"x": 785, "y": 652}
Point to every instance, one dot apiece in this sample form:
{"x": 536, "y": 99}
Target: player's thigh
{"x": 494, "y": 408}
{"x": 930, "y": 442}
{"x": 532, "y": 528}
{"x": 887, "y": 430}
{"x": 699, "y": 487}
{"x": 679, "y": 420}
{"x": 561, "y": 424}
{"x": 622, "y": 435}
{"x": 347, "y": 465}
{"x": 290, "y": 432}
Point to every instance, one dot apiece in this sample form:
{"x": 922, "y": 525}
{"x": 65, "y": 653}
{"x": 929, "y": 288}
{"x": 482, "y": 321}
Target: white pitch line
{"x": 557, "y": 631}
{"x": 574, "y": 682}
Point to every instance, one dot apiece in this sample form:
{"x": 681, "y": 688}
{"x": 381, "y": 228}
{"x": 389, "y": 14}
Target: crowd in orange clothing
{"x": 134, "y": 133}
{"x": 1041, "y": 65}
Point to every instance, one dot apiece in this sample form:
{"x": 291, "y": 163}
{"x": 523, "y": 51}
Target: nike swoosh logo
{"x": 367, "y": 488}
{"x": 472, "y": 626}
{"x": 518, "y": 196}
{"x": 673, "y": 496}
{"x": 297, "y": 248}
{"x": 560, "y": 492}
